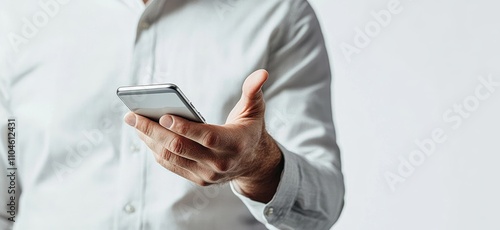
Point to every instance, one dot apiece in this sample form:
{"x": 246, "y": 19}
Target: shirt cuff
{"x": 274, "y": 213}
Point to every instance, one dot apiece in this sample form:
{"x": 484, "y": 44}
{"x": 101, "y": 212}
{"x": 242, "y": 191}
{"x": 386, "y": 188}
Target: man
{"x": 267, "y": 158}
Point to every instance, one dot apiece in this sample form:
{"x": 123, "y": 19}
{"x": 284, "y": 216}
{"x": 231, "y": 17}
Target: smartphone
{"x": 154, "y": 101}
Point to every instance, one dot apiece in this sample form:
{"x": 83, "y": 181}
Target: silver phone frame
{"x": 159, "y": 88}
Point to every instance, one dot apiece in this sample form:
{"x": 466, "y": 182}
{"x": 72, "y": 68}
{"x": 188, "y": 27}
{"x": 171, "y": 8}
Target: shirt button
{"x": 129, "y": 209}
{"x": 269, "y": 211}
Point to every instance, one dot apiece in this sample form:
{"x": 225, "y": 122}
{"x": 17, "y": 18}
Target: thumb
{"x": 251, "y": 103}
{"x": 253, "y": 85}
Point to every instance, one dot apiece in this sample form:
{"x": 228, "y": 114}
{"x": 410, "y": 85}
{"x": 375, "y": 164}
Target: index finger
{"x": 175, "y": 143}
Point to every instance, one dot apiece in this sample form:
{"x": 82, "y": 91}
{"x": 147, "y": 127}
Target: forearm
{"x": 262, "y": 184}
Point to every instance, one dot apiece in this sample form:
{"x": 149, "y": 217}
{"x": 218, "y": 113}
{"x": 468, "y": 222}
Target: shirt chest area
{"x": 208, "y": 57}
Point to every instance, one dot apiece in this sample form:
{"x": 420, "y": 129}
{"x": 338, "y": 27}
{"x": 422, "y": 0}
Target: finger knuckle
{"x": 176, "y": 145}
{"x": 175, "y": 169}
{"x": 165, "y": 155}
{"x": 179, "y": 161}
{"x": 221, "y": 166}
{"x": 210, "y": 139}
{"x": 145, "y": 126}
{"x": 213, "y": 176}
{"x": 180, "y": 128}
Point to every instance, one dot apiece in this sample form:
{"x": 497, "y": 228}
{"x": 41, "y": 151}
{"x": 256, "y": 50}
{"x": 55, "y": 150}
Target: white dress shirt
{"x": 79, "y": 166}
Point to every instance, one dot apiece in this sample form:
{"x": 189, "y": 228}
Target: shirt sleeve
{"x": 310, "y": 194}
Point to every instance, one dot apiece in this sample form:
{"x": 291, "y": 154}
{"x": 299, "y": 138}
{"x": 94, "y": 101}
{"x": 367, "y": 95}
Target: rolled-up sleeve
{"x": 299, "y": 117}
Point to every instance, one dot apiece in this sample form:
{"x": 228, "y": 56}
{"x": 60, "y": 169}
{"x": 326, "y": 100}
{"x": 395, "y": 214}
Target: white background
{"x": 395, "y": 91}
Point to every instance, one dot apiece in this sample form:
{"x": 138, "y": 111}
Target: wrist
{"x": 261, "y": 184}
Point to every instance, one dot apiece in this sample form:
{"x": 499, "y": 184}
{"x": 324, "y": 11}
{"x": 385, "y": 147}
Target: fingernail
{"x": 130, "y": 119}
{"x": 166, "y": 121}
